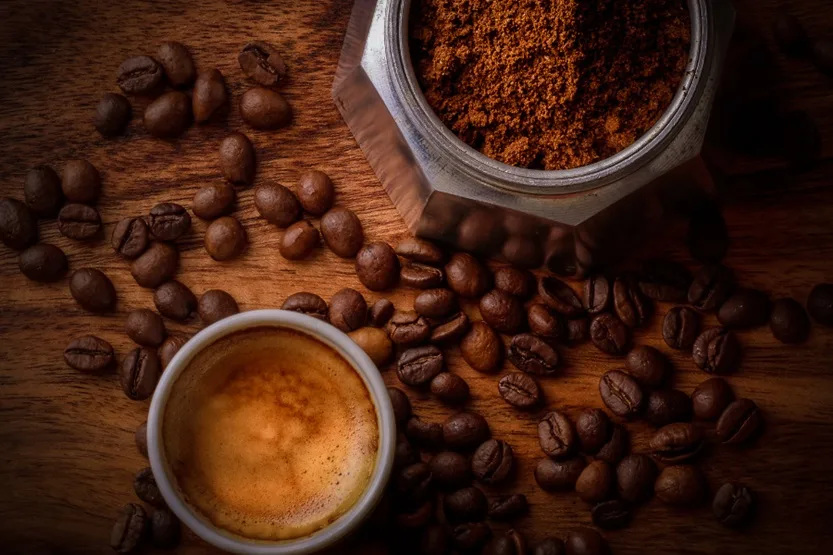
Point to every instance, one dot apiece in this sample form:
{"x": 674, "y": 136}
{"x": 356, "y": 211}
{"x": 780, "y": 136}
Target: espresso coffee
{"x": 270, "y": 434}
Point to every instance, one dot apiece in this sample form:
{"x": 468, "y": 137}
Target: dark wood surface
{"x": 67, "y": 455}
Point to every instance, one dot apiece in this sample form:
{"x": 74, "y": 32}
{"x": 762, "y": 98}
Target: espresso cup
{"x": 324, "y": 334}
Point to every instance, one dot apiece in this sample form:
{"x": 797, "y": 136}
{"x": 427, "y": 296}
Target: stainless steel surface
{"x": 569, "y": 220}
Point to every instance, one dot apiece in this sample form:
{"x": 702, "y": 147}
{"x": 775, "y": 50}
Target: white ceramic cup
{"x": 328, "y": 335}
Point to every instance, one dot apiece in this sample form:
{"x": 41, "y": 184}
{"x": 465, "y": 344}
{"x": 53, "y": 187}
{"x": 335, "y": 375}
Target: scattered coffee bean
{"x": 145, "y": 328}
{"x": 214, "y": 305}
{"x": 676, "y": 443}
{"x": 611, "y": 515}
{"x": 502, "y": 311}
{"x": 450, "y": 470}
{"x": 733, "y": 505}
{"x": 375, "y": 342}
{"x": 448, "y": 329}
{"x": 264, "y": 109}
{"x": 81, "y": 182}
{"x": 144, "y": 484}
{"x": 739, "y": 422}
{"x": 665, "y": 406}
{"x": 416, "y": 518}
{"x": 139, "y": 372}
{"x": 213, "y": 201}
{"x": 647, "y": 365}
{"x": 347, "y": 311}
{"x": 377, "y": 266}
{"x": 174, "y": 300}
{"x": 680, "y": 485}
{"x": 820, "y": 304}
{"x": 130, "y": 238}
{"x": 609, "y": 334}
{"x": 413, "y": 484}
{"x": 225, "y": 238}
{"x": 464, "y": 431}
{"x": 408, "y": 328}
{"x": 380, "y": 313}
{"x": 112, "y": 114}
{"x": 597, "y": 294}
{"x": 316, "y": 192}
{"x": 790, "y": 35}
{"x": 520, "y": 390}
{"x": 585, "y": 541}
{"x": 42, "y": 191}
{"x": 708, "y": 238}
{"x": 717, "y": 351}
{"x": 492, "y": 462}
{"x": 435, "y": 303}
{"x": 578, "y": 331}
{"x": 209, "y": 96}
{"x": 550, "y": 546}
{"x": 420, "y": 251}
{"x": 595, "y": 482}
{"x": 238, "y": 162}
{"x": 170, "y": 348}
{"x": 621, "y": 394}
{"x": 632, "y": 307}
{"x": 342, "y": 232}
{"x": 299, "y": 240}
{"x": 747, "y": 308}
{"x": 533, "y": 355}
{"x": 156, "y": 265}
{"x": 18, "y": 226}
{"x": 560, "y": 297}
{"x": 822, "y": 56}
{"x": 470, "y": 537}
{"x": 616, "y": 447}
{"x": 511, "y": 543}
{"x": 177, "y": 63}
{"x": 710, "y": 287}
{"x": 401, "y": 405}
{"x": 789, "y": 322}
{"x": 434, "y": 541}
{"x": 508, "y": 507}
{"x": 421, "y": 276}
{"x": 141, "y": 437}
{"x": 169, "y": 115}
{"x": 546, "y": 323}
{"x": 556, "y": 435}
{"x": 92, "y": 290}
{"x": 665, "y": 281}
{"x": 482, "y": 348}
{"x": 165, "y": 529}
{"x": 425, "y": 434}
{"x": 418, "y": 366}
{"x": 711, "y": 398}
{"x": 561, "y": 475}
{"x": 465, "y": 505}
{"x": 140, "y": 75}
{"x": 517, "y": 282}
{"x": 593, "y": 429}
{"x": 635, "y": 476}
{"x": 79, "y": 222}
{"x": 129, "y": 530}
{"x": 89, "y": 354}
{"x": 44, "y": 263}
{"x": 467, "y": 276}
{"x": 680, "y": 328}
{"x": 311, "y": 305}
{"x": 404, "y": 454}
{"x": 261, "y": 62}
{"x": 449, "y": 388}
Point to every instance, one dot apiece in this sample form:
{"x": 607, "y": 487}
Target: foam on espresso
{"x": 271, "y": 434}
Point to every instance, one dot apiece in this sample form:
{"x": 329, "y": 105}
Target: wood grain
{"x": 67, "y": 439}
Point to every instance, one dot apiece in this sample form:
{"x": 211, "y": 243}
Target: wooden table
{"x": 66, "y": 439}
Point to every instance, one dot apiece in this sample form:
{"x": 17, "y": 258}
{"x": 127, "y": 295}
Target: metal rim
{"x": 542, "y": 182}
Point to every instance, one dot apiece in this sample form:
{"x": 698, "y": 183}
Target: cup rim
{"x": 355, "y": 356}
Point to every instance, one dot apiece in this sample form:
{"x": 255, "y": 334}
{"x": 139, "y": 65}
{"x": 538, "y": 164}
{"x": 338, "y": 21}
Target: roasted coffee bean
{"x": 408, "y": 328}
{"x": 611, "y": 515}
{"x": 593, "y": 429}
{"x": 214, "y": 305}
{"x": 316, "y": 192}
{"x": 342, "y": 232}
{"x": 413, "y": 485}
{"x": 492, "y": 462}
{"x": 711, "y": 398}
{"x": 710, "y": 287}
{"x": 502, "y": 311}
{"x": 165, "y": 529}
{"x": 129, "y": 530}
{"x": 169, "y": 115}
{"x": 18, "y": 226}
{"x": 820, "y": 304}
{"x": 92, "y": 290}
{"x": 418, "y": 366}
{"x": 435, "y": 303}
{"x": 464, "y": 431}
{"x": 79, "y": 222}
{"x": 546, "y": 323}
{"x": 348, "y": 310}
{"x": 261, "y": 62}
{"x": 416, "y": 518}
{"x": 621, "y": 394}
{"x": 42, "y": 191}
{"x": 139, "y": 372}
{"x": 311, "y": 305}
{"x": 788, "y": 321}
{"x": 375, "y": 342}
{"x": 482, "y": 348}
{"x": 174, "y": 300}
{"x": 225, "y": 238}
{"x": 665, "y": 281}
{"x": 609, "y": 334}
{"x": 790, "y": 35}
{"x": 716, "y": 351}
{"x": 508, "y": 507}
{"x": 145, "y": 328}
{"x": 404, "y": 453}
{"x": 665, "y": 406}
{"x": 595, "y": 482}
{"x": 517, "y": 282}
{"x": 238, "y": 163}
{"x": 676, "y": 443}
{"x": 680, "y": 328}
{"x": 465, "y": 505}
{"x": 550, "y": 546}
{"x": 210, "y": 94}
{"x": 680, "y": 485}
{"x": 213, "y": 201}
{"x": 177, "y": 63}
{"x": 578, "y": 330}
{"x": 421, "y": 251}
{"x": 450, "y": 470}
{"x": 380, "y": 313}
{"x": 739, "y": 422}
{"x": 511, "y": 543}
{"x": 470, "y": 537}
{"x": 130, "y": 238}
{"x": 264, "y": 109}
{"x": 449, "y": 388}
{"x": 425, "y": 434}
{"x": 170, "y": 348}
{"x": 597, "y": 294}
{"x": 401, "y": 405}
{"x": 635, "y": 476}
{"x": 533, "y": 355}
{"x": 560, "y": 297}
{"x": 156, "y": 265}
{"x": 747, "y": 308}
{"x": 467, "y": 276}
{"x": 140, "y": 75}
{"x": 708, "y": 238}
{"x": 519, "y": 390}
{"x": 141, "y": 437}
{"x": 434, "y": 541}
{"x": 89, "y": 354}
{"x": 81, "y": 182}
{"x": 112, "y": 114}
{"x": 822, "y": 56}
{"x": 44, "y": 263}
{"x": 558, "y": 475}
{"x": 631, "y": 306}
{"x": 733, "y": 505}
{"x": 616, "y": 447}
{"x": 144, "y": 484}
{"x": 450, "y": 328}
{"x": 421, "y": 276}
{"x": 585, "y": 541}
{"x": 556, "y": 435}
{"x": 647, "y": 365}
{"x": 377, "y": 266}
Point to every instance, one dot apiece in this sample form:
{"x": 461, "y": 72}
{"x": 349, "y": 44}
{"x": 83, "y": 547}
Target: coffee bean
{"x": 585, "y": 541}
{"x": 169, "y": 115}
{"x": 112, "y": 114}
{"x": 89, "y": 354}
{"x": 421, "y": 276}
{"x": 676, "y": 443}
{"x": 492, "y": 462}
{"x": 225, "y": 238}
{"x": 710, "y": 287}
{"x": 560, "y": 297}
{"x": 647, "y": 365}
{"x": 790, "y": 35}
{"x": 421, "y": 251}
{"x": 597, "y": 294}
{"x": 144, "y": 484}
{"x": 170, "y": 348}
{"x": 467, "y": 276}
{"x": 512, "y": 543}
{"x": 418, "y": 366}
{"x": 174, "y": 300}
{"x": 464, "y": 431}
{"x": 820, "y": 304}
{"x": 140, "y": 75}
{"x": 595, "y": 482}
{"x": 130, "y": 238}
{"x": 823, "y": 56}
{"x": 517, "y": 282}
{"x": 261, "y": 62}
{"x": 129, "y": 530}
{"x": 482, "y": 348}
{"x": 426, "y": 434}
{"x": 81, "y": 182}
{"x": 416, "y": 518}
{"x": 578, "y": 331}
{"x": 616, "y": 447}
{"x": 733, "y": 505}
{"x": 546, "y": 323}
{"x": 42, "y": 191}
{"x": 275, "y": 202}
{"x": 401, "y": 405}
{"x": 413, "y": 485}
{"x": 145, "y": 328}
{"x": 44, "y": 263}
{"x": 470, "y": 537}
{"x": 448, "y": 329}
{"x": 665, "y": 281}
{"x": 316, "y": 192}
{"x": 213, "y": 201}
{"x": 665, "y": 406}
{"x": 264, "y": 109}
{"x": 550, "y": 546}
{"x": 502, "y": 311}
{"x": 556, "y": 435}
{"x": 532, "y": 355}
{"x": 375, "y": 342}
{"x": 631, "y": 306}
{"x": 680, "y": 485}
{"x": 92, "y": 290}
{"x": 716, "y": 351}
{"x": 169, "y": 221}
{"x": 141, "y": 437}
{"x": 635, "y": 476}
{"x": 434, "y": 541}
{"x": 465, "y": 505}
{"x": 449, "y": 388}
{"x": 299, "y": 240}
{"x": 558, "y": 475}
{"x": 210, "y": 94}
{"x": 342, "y": 232}
{"x": 79, "y": 222}
{"x": 139, "y": 372}
{"x": 408, "y": 328}
{"x": 404, "y": 453}
{"x": 435, "y": 303}
{"x": 621, "y": 394}
{"x": 377, "y": 266}
{"x": 214, "y": 305}
{"x": 593, "y": 429}
{"x": 177, "y": 63}
{"x": 680, "y": 328}
{"x": 788, "y": 321}
{"x": 520, "y": 391}
{"x": 165, "y": 529}
{"x": 609, "y": 334}
{"x": 348, "y": 310}
{"x": 508, "y": 507}
{"x": 156, "y": 265}
{"x": 18, "y": 226}
{"x": 711, "y": 398}
{"x": 450, "y": 470}
{"x": 747, "y": 308}
{"x": 611, "y": 515}
{"x": 739, "y": 422}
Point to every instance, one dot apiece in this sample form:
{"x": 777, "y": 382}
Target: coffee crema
{"x": 271, "y": 434}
